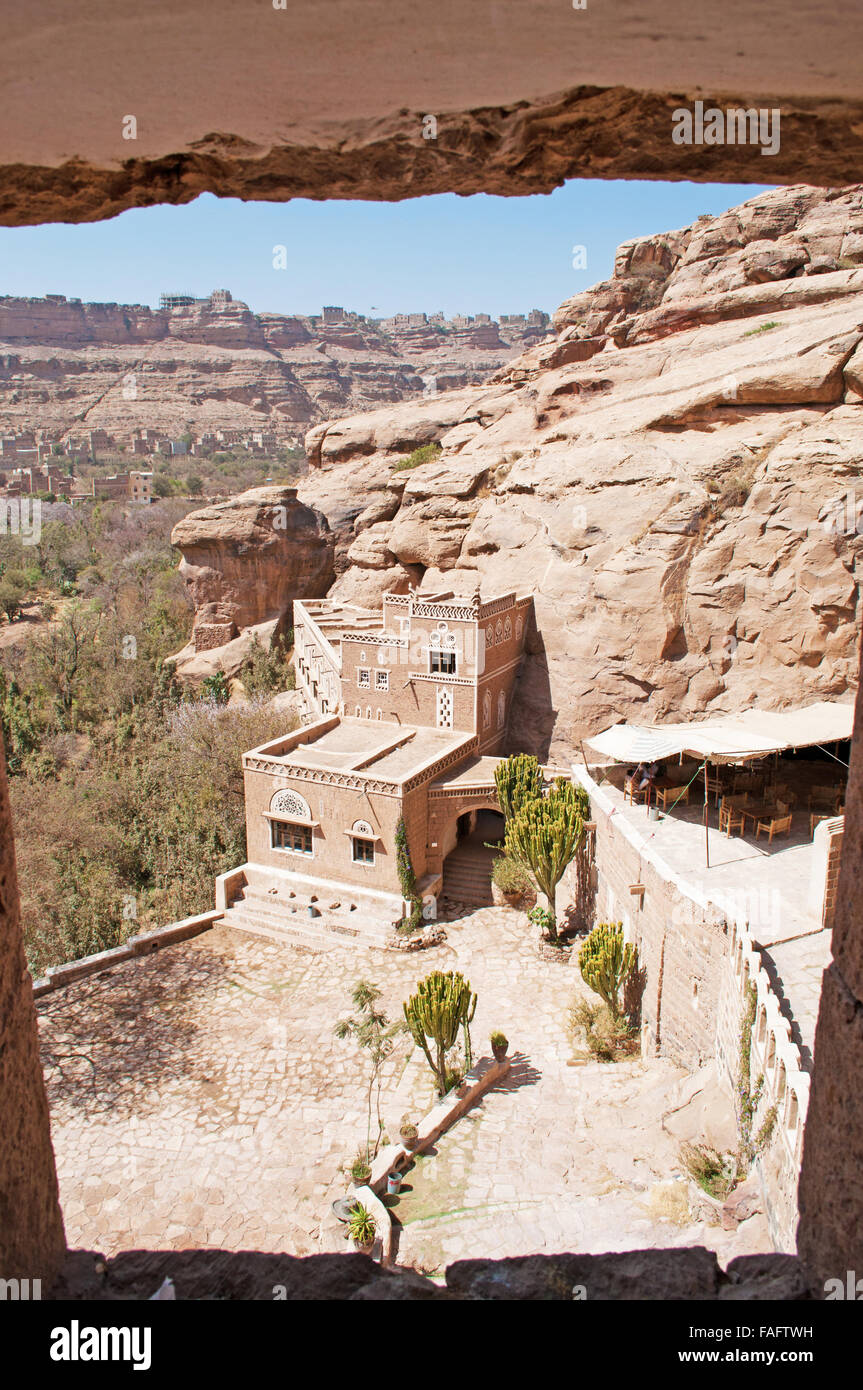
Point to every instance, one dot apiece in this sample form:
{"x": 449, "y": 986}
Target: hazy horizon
{"x": 446, "y": 252}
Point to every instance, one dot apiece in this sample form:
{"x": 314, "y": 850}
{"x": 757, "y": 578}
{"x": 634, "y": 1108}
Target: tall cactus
{"x": 606, "y": 963}
{"x": 544, "y": 836}
{"x": 443, "y": 1004}
{"x": 518, "y": 780}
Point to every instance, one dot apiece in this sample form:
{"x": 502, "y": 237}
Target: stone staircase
{"x": 284, "y": 916}
{"x": 467, "y": 875}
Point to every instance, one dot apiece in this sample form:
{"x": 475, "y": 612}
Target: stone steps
{"x": 258, "y": 914}
{"x": 281, "y": 908}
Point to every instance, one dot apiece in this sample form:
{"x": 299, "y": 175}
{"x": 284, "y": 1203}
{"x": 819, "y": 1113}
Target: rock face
{"x": 214, "y": 364}
{"x": 246, "y": 560}
{"x": 32, "y": 1240}
{"x": 676, "y": 477}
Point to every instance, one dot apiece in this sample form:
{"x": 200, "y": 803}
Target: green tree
{"x": 544, "y": 836}
{"x": 216, "y": 687}
{"x": 518, "y": 779}
{"x": 443, "y": 1004}
{"x": 194, "y": 485}
{"x": 12, "y": 591}
{"x": 372, "y": 1030}
{"x": 606, "y": 962}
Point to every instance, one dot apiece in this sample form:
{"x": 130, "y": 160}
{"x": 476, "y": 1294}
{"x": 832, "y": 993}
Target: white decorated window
{"x": 382, "y": 680}
{"x": 364, "y": 678}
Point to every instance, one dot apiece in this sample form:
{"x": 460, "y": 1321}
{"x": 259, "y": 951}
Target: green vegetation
{"x": 126, "y": 789}
{"x": 544, "y": 835}
{"x": 267, "y": 673}
{"x": 407, "y": 880}
{"x": 608, "y": 1039}
{"x": 426, "y": 453}
{"x": 372, "y": 1031}
{"x": 607, "y": 963}
{"x": 518, "y": 780}
{"x": 442, "y": 1005}
{"x": 762, "y": 328}
{"x": 361, "y": 1226}
{"x": 510, "y": 877}
{"x": 718, "y": 1174}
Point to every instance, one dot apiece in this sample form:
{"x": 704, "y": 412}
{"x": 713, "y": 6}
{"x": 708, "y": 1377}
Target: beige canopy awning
{"x": 754, "y": 733}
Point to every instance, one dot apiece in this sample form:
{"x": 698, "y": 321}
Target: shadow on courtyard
{"x": 521, "y": 1073}
{"x": 110, "y": 1043}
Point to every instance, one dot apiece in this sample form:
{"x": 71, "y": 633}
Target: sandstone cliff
{"x": 676, "y": 477}
{"x": 66, "y": 366}
{"x": 244, "y": 562}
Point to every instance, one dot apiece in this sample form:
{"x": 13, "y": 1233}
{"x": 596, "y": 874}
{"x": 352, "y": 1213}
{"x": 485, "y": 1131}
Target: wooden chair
{"x": 666, "y": 796}
{"x": 824, "y": 799}
{"x": 781, "y": 825}
{"x": 714, "y": 785}
{"x": 634, "y": 793}
{"x": 731, "y": 817}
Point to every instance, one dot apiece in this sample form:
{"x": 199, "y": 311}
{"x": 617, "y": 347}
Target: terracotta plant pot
{"x": 500, "y": 1051}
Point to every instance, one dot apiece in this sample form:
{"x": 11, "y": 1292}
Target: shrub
{"x": 426, "y": 453}
{"x": 509, "y": 876}
{"x": 360, "y": 1170}
{"x": 607, "y": 1039}
{"x": 715, "y": 1173}
{"x": 267, "y": 672}
{"x": 216, "y": 688}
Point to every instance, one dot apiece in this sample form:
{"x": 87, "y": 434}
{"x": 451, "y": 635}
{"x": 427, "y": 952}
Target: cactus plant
{"x": 606, "y": 963}
{"x": 443, "y": 1004}
{"x": 544, "y": 836}
{"x": 518, "y": 780}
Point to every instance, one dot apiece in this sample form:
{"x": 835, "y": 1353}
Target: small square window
{"x": 364, "y": 850}
{"x": 364, "y": 678}
{"x": 382, "y": 680}
{"x": 442, "y": 662}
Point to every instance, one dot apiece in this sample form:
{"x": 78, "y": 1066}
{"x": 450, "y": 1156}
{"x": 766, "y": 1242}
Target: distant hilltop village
{"x": 200, "y": 365}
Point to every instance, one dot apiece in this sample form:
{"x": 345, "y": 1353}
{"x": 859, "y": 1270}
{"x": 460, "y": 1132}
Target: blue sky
{"x": 461, "y": 255}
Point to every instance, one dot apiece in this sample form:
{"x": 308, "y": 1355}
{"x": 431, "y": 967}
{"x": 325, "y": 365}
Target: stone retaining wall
{"x": 56, "y": 976}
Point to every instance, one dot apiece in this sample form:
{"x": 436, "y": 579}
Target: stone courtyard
{"x": 200, "y": 1098}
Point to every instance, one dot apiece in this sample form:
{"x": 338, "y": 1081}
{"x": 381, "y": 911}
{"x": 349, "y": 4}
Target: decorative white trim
{"x": 288, "y": 804}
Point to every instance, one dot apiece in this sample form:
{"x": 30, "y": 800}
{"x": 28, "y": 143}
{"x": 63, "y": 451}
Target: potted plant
{"x": 409, "y": 1134}
{"x": 510, "y": 885}
{"x": 360, "y": 1170}
{"x": 499, "y": 1044}
{"x": 362, "y": 1230}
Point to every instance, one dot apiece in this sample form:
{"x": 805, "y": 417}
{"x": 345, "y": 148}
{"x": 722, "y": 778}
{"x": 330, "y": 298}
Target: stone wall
{"x": 831, "y": 1225}
{"x": 32, "y": 1240}
{"x": 682, "y": 939}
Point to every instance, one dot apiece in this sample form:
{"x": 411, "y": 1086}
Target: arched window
{"x": 501, "y": 710}
{"x": 498, "y": 633}
{"x": 486, "y": 710}
{"x": 519, "y": 628}
{"x": 507, "y": 629}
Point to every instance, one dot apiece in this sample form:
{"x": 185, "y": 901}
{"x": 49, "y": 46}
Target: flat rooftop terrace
{"x": 768, "y": 884}
{"x": 394, "y": 751}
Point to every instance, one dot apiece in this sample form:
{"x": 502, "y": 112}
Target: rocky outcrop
{"x": 214, "y": 364}
{"x": 244, "y": 562}
{"x": 680, "y": 494}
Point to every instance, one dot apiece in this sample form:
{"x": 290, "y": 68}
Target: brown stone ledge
{"x": 523, "y": 147}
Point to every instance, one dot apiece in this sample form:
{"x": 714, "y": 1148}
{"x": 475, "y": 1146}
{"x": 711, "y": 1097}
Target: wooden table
{"x": 759, "y": 813}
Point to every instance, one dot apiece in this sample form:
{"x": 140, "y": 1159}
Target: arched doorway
{"x": 467, "y": 867}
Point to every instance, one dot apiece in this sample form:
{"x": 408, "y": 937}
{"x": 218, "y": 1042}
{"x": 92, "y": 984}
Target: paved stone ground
{"x": 199, "y": 1098}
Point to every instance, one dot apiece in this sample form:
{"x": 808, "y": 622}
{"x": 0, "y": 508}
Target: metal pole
{"x": 706, "y": 816}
